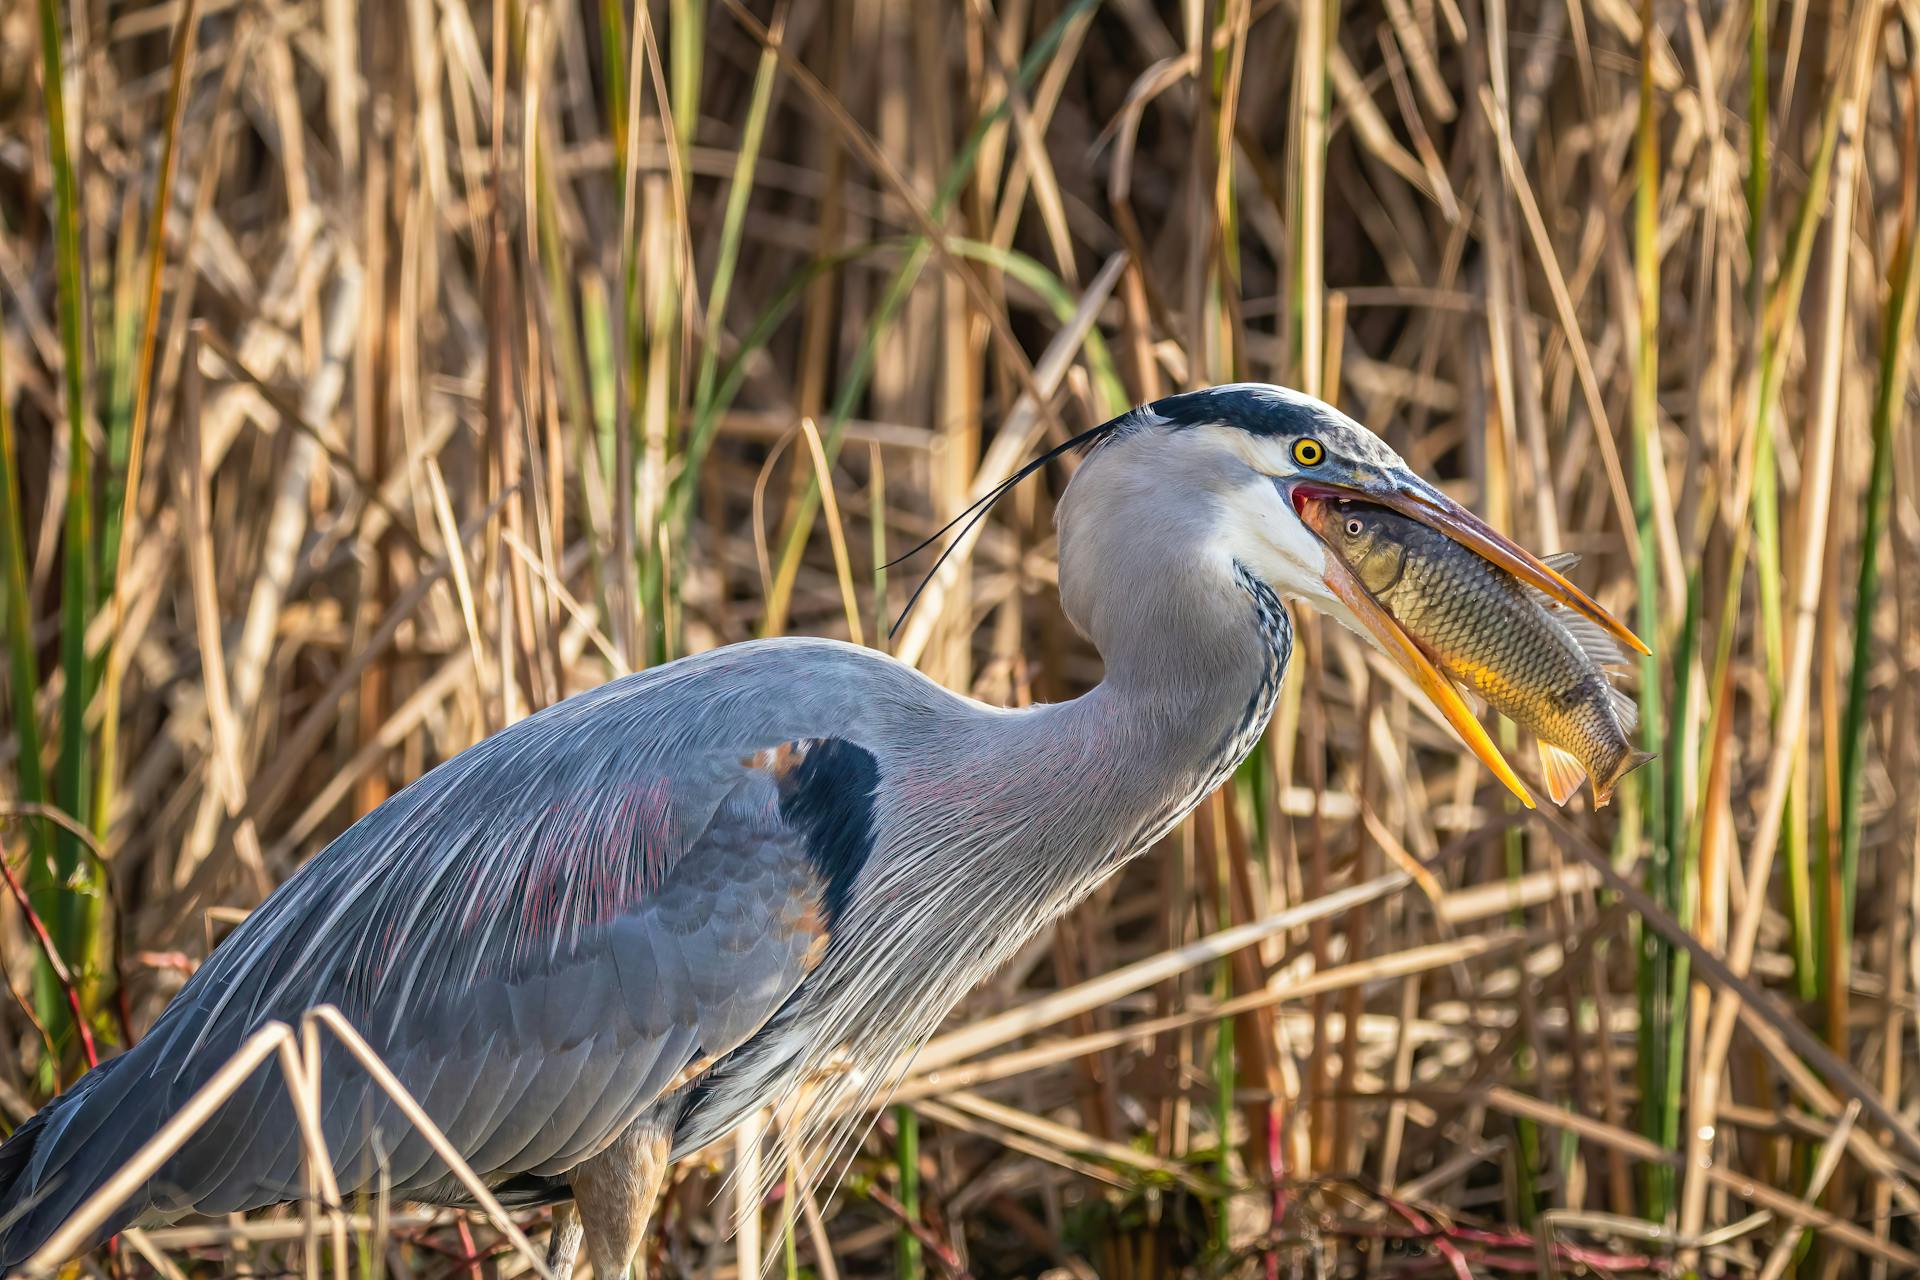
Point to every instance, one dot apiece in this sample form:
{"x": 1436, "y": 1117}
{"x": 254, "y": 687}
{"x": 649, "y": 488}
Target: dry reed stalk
{"x": 611, "y": 262}
{"x": 1817, "y": 489}
{"x": 1009, "y": 449}
{"x": 1830, "y": 1153}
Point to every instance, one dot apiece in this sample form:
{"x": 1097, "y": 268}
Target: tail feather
{"x": 67, "y": 1149}
{"x": 16, "y": 1153}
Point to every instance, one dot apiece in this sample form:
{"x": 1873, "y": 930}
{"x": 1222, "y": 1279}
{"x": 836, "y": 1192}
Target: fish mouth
{"x": 1317, "y": 504}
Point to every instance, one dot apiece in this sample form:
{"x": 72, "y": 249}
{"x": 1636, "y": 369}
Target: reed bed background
{"x": 375, "y": 374}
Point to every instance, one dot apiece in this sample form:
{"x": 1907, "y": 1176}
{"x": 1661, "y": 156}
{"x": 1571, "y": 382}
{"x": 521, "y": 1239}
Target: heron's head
{"x": 1242, "y": 475}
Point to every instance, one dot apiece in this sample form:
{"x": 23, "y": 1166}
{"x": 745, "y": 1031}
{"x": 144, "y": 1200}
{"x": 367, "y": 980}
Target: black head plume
{"x": 978, "y": 510}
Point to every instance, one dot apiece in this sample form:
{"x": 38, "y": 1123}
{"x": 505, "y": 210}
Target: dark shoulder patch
{"x": 826, "y": 794}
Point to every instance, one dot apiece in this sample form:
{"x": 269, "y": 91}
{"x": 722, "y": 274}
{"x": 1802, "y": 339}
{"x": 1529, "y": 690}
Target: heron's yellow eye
{"x": 1308, "y": 452}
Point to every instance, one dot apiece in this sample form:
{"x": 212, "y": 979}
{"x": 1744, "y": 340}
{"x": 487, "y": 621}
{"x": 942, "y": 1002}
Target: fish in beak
{"x": 1317, "y": 502}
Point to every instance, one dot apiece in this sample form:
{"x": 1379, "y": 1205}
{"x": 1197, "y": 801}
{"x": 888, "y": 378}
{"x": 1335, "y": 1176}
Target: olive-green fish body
{"x": 1539, "y": 665}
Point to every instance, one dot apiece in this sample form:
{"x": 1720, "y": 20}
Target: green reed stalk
{"x": 1682, "y": 852}
{"x": 623, "y": 475}
{"x": 1663, "y": 1020}
{"x": 1782, "y": 304}
{"x": 1772, "y": 311}
{"x": 908, "y": 1262}
{"x": 119, "y": 338}
{"x": 613, "y": 38}
{"x": 133, "y": 373}
{"x": 64, "y": 898}
{"x": 1223, "y": 272}
{"x": 1767, "y": 584}
{"x": 790, "y": 1239}
{"x": 662, "y": 572}
{"x": 1896, "y": 349}
{"x": 676, "y": 514}
{"x": 1765, "y": 498}
{"x": 655, "y": 334}
{"x": 684, "y": 51}
{"x": 23, "y": 667}
{"x": 1526, "y": 1053}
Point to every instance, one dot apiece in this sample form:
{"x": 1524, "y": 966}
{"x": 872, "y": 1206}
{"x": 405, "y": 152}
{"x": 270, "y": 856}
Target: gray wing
{"x": 542, "y": 937}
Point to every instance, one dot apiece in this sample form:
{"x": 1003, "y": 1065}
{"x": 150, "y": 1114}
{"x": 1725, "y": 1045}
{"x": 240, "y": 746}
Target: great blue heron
{"x": 601, "y": 938}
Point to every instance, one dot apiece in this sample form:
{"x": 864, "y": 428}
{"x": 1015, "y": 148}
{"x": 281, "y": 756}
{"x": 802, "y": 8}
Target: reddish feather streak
{"x": 597, "y": 855}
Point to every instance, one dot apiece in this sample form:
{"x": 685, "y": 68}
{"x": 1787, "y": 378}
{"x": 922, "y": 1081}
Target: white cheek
{"x": 1260, "y": 530}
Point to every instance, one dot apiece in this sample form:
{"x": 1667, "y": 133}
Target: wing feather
{"x": 622, "y": 922}
{"x": 539, "y": 937}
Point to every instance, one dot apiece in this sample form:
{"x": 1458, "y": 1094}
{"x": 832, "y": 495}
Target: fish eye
{"x": 1308, "y": 452}
{"x": 1354, "y": 528}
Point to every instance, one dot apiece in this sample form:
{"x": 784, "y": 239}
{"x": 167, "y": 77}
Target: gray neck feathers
{"x": 1193, "y": 643}
{"x": 992, "y": 834}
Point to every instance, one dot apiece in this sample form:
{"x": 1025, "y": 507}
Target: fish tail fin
{"x": 1562, "y": 771}
{"x": 1603, "y": 791}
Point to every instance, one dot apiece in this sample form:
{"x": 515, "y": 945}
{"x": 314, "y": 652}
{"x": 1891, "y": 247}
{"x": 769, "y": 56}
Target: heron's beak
{"x": 1317, "y": 502}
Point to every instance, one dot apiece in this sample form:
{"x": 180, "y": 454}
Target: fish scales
{"x": 1494, "y": 636}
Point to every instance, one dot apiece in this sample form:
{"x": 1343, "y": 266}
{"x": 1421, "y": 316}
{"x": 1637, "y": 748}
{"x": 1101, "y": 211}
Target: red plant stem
{"x": 54, "y": 962}
{"x": 123, "y": 1012}
{"x": 1448, "y": 1249}
{"x": 928, "y": 1239}
{"x": 1593, "y": 1257}
{"x": 466, "y": 1242}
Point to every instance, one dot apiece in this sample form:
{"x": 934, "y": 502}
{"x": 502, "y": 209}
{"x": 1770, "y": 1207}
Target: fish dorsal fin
{"x": 1563, "y": 772}
{"x": 1593, "y": 639}
{"x": 1627, "y": 707}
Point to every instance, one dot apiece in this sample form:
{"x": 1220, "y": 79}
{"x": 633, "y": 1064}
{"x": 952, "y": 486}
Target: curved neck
{"x": 1004, "y": 827}
{"x": 1189, "y": 687}
{"x": 1194, "y": 656}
